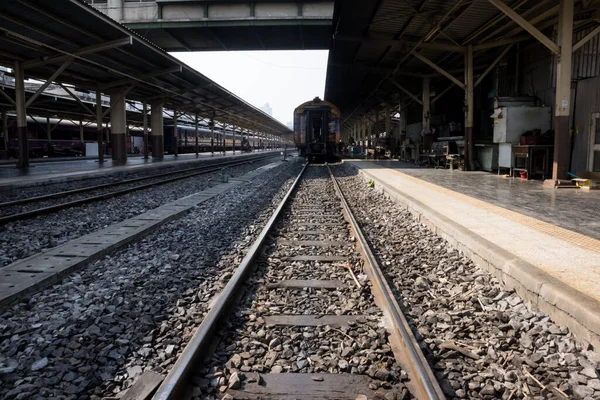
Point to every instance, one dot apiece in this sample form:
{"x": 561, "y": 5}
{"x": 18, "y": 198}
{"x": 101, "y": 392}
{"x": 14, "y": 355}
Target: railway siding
{"x": 29, "y": 275}
{"x": 130, "y": 312}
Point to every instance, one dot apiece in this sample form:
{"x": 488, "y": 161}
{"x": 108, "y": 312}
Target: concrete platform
{"x": 542, "y": 242}
{"x": 84, "y": 168}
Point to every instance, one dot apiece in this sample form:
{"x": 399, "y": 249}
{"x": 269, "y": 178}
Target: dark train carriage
{"x": 317, "y": 129}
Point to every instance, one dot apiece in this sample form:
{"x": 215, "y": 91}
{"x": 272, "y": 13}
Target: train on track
{"x": 66, "y": 140}
{"x": 317, "y": 129}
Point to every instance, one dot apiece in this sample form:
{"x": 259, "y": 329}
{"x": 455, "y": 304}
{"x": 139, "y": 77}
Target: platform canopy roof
{"x": 381, "y": 48}
{"x": 71, "y": 42}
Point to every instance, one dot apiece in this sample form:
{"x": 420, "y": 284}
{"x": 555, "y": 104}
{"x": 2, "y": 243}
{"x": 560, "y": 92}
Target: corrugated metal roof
{"x": 33, "y": 30}
{"x": 362, "y": 83}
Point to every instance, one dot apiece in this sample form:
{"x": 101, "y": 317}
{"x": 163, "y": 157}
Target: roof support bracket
{"x": 55, "y": 75}
{"x": 149, "y": 75}
{"x": 586, "y": 39}
{"x": 83, "y": 51}
{"x": 523, "y": 23}
{"x": 7, "y": 97}
{"x": 117, "y": 100}
{"x": 412, "y": 96}
{"x": 77, "y": 99}
{"x": 493, "y": 64}
{"x": 439, "y": 96}
{"x": 439, "y": 69}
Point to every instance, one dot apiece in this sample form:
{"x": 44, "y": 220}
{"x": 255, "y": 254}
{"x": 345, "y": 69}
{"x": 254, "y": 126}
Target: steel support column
{"x": 562, "y": 106}
{"x": 118, "y": 126}
{"x": 23, "y": 161}
{"x": 81, "y": 134}
{"x": 224, "y": 130}
{"x": 99, "y": 127}
{"x": 469, "y": 105}
{"x": 48, "y": 130}
{"x": 175, "y": 135}
{"x": 212, "y": 136}
{"x": 157, "y": 139}
{"x": 426, "y": 132}
{"x": 233, "y": 137}
{"x": 196, "y": 132}
{"x": 377, "y": 132}
{"x": 388, "y": 128}
{"x": 5, "y": 130}
{"x": 145, "y": 124}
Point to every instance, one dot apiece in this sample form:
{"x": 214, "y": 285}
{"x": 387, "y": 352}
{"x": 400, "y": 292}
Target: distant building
{"x": 290, "y": 124}
{"x": 267, "y": 108}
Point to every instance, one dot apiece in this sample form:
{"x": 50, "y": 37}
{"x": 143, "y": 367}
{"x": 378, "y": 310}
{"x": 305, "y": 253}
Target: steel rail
{"x": 122, "y": 182}
{"x": 425, "y": 385}
{"x": 46, "y": 210}
{"x": 172, "y": 384}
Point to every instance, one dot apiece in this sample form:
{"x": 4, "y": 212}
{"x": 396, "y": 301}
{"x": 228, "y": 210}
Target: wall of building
{"x": 538, "y": 77}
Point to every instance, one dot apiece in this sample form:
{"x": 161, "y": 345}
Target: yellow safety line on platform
{"x": 577, "y": 239}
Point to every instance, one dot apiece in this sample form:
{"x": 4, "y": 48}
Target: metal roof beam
{"x": 73, "y": 95}
{"x": 405, "y": 90}
{"x": 149, "y": 75}
{"x": 56, "y": 73}
{"x": 439, "y": 69}
{"x": 499, "y": 43}
{"x": 526, "y": 25}
{"x": 439, "y": 96}
{"x": 492, "y": 65}
{"x": 375, "y": 39}
{"x": 586, "y": 39}
{"x": 83, "y": 51}
{"x": 525, "y": 13}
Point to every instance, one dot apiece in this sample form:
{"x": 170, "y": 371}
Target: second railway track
{"x": 19, "y": 210}
{"x": 307, "y": 314}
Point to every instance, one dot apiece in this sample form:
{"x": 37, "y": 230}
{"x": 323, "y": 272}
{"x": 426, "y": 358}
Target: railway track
{"x": 16, "y": 209}
{"x": 307, "y": 314}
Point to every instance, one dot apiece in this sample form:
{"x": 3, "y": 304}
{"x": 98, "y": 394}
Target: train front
{"x": 316, "y": 129}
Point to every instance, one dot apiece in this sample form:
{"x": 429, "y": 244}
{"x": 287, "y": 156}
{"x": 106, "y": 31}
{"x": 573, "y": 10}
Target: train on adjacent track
{"x": 317, "y": 129}
{"x": 66, "y": 140}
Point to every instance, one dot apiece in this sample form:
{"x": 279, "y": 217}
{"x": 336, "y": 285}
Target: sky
{"x": 284, "y": 79}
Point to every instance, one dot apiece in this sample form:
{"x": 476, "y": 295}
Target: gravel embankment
{"x": 21, "y": 239}
{"x": 479, "y": 336}
{"x": 92, "y": 335}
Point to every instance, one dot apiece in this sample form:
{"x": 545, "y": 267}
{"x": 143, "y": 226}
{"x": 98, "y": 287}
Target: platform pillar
{"x": 145, "y": 124}
{"x": 426, "y": 132}
{"x": 233, "y": 137}
{"x": 224, "y": 139}
{"x": 118, "y": 125}
{"x": 388, "y": 127}
{"x": 196, "y": 133}
{"x": 212, "y": 136}
{"x": 5, "y": 130}
{"x": 175, "y": 135}
{"x": 469, "y": 110}
{"x": 562, "y": 105}
{"x": 99, "y": 127}
{"x": 157, "y": 139}
{"x": 23, "y": 161}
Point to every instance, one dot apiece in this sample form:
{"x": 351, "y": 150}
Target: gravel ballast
{"x": 249, "y": 346}
{"x": 480, "y": 337}
{"x": 92, "y": 335}
{"x": 21, "y": 239}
